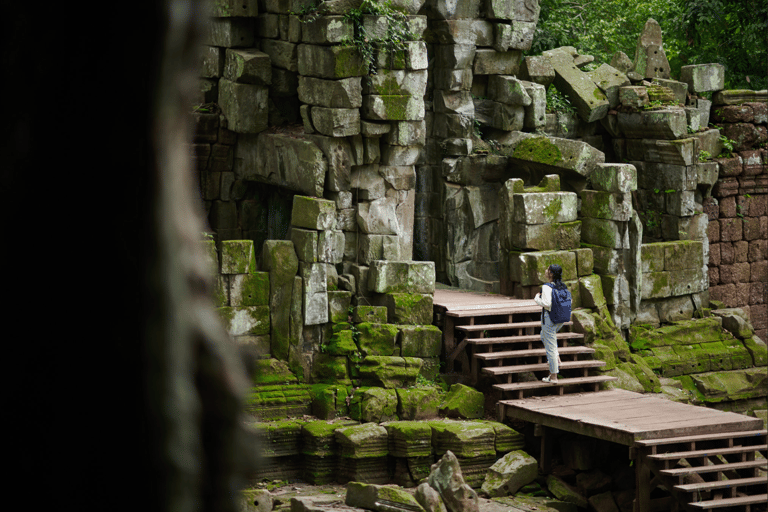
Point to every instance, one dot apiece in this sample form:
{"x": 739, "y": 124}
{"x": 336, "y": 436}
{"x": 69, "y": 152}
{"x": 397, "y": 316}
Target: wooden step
{"x": 565, "y": 365}
{"x": 707, "y": 453}
{"x": 522, "y": 338}
{"x": 702, "y": 437}
{"x": 730, "y": 502}
{"x": 499, "y": 327}
{"x": 488, "y": 356}
{"x": 520, "y": 386}
{"x": 731, "y": 466}
{"x": 722, "y": 484}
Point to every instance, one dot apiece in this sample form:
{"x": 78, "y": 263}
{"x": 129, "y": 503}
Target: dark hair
{"x": 557, "y": 276}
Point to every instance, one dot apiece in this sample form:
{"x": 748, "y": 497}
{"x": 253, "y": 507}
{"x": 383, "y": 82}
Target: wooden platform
{"x": 461, "y": 303}
{"x": 624, "y": 417}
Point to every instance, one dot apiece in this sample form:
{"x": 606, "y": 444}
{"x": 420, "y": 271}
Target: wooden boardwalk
{"x": 624, "y": 417}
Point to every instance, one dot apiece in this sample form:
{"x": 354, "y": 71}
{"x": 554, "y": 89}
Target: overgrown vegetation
{"x": 729, "y": 32}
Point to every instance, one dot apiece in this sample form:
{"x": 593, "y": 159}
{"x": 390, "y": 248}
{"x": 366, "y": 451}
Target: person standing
{"x": 549, "y": 328}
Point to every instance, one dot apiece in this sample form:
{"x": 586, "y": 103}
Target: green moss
{"x": 395, "y": 106}
{"x": 553, "y": 208}
{"x": 538, "y": 149}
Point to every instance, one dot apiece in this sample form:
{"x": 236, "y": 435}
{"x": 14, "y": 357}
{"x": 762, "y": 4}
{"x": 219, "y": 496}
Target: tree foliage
{"x": 731, "y": 32}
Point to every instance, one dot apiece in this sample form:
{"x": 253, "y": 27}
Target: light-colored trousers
{"x": 549, "y": 339}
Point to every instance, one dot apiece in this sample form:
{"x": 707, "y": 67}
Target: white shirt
{"x": 545, "y": 299}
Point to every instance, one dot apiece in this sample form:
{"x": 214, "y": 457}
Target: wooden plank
{"x": 722, "y": 484}
{"x": 703, "y": 437}
{"x": 731, "y": 466}
{"x": 707, "y": 453}
{"x": 730, "y": 502}
{"x": 499, "y": 327}
{"x": 532, "y": 352}
{"x": 566, "y": 365}
{"x": 560, "y": 383}
{"x": 523, "y": 337}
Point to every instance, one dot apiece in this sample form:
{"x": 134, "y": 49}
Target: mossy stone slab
{"x": 338, "y": 305}
{"x": 377, "y": 339}
{"x": 546, "y": 237}
{"x": 463, "y": 402}
{"x": 418, "y": 404}
{"x": 510, "y": 473}
{"x": 602, "y": 232}
{"x": 249, "y": 289}
{"x": 528, "y": 268}
{"x": 371, "y": 314}
{"x": 409, "y": 308}
{"x": 757, "y": 349}
{"x": 342, "y": 343}
{"x": 328, "y": 403}
{"x": 378, "y": 405}
{"x": 330, "y": 369}
{"x": 656, "y": 285}
{"x": 610, "y": 177}
{"x": 252, "y": 320}
{"x": 591, "y": 291}
{"x": 237, "y": 257}
{"x": 420, "y": 341}
{"x": 606, "y": 205}
{"x": 389, "y": 372}
{"x": 585, "y": 261}
{"x": 313, "y": 213}
{"x": 734, "y": 385}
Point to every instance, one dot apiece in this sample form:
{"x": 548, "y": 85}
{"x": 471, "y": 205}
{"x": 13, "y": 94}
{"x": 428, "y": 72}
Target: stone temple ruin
{"x": 352, "y": 157}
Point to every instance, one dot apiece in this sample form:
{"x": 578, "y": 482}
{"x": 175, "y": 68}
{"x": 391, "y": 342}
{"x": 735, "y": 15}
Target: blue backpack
{"x": 560, "y": 311}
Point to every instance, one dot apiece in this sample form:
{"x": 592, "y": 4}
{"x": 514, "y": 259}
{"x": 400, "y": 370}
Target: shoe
{"x": 547, "y": 379}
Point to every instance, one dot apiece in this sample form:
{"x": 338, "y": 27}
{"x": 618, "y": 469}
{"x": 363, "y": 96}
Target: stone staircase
{"x": 709, "y": 471}
{"x": 505, "y": 345}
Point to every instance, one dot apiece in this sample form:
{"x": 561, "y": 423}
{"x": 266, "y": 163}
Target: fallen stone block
{"x": 676, "y": 152}
{"x": 609, "y": 79}
{"x": 248, "y": 66}
{"x": 508, "y": 89}
{"x": 513, "y": 471}
{"x": 513, "y": 10}
{"x": 544, "y": 208}
{"x": 313, "y": 213}
{"x": 703, "y": 77}
{"x": 590, "y": 102}
{"x": 551, "y": 154}
{"x": 739, "y": 96}
{"x": 447, "y": 479}
{"x": 380, "y": 498}
{"x": 538, "y": 69}
{"x": 667, "y": 123}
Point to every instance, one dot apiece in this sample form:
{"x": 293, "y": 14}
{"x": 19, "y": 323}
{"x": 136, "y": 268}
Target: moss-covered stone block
{"x": 342, "y": 343}
{"x": 378, "y": 404}
{"x": 645, "y": 375}
{"x": 544, "y": 208}
{"x": 420, "y": 341}
{"x": 734, "y": 385}
{"x": 279, "y": 401}
{"x": 584, "y": 261}
{"x": 371, "y": 314}
{"x": 606, "y": 205}
{"x": 602, "y": 232}
{"x": 305, "y": 242}
{"x": 377, "y": 339}
{"x": 329, "y": 401}
{"x": 546, "y": 237}
{"x": 279, "y": 259}
{"x": 528, "y": 268}
{"x": 389, "y": 372}
{"x": 402, "y": 276}
{"x": 330, "y": 369}
{"x": 313, "y": 213}
{"x": 252, "y": 320}
{"x": 693, "y": 358}
{"x": 418, "y": 404}
{"x": 365, "y": 441}
{"x": 237, "y": 257}
{"x": 408, "y": 308}
{"x": 683, "y": 254}
{"x": 463, "y": 402}
{"x": 380, "y": 498}
{"x": 757, "y": 349}
{"x": 652, "y": 257}
{"x": 626, "y": 379}
{"x": 656, "y": 285}
{"x": 249, "y": 289}
{"x": 591, "y": 291}
{"x": 338, "y": 306}
{"x": 268, "y": 372}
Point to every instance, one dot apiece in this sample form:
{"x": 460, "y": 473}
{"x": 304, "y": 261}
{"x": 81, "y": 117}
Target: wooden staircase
{"x": 705, "y": 472}
{"x": 502, "y": 342}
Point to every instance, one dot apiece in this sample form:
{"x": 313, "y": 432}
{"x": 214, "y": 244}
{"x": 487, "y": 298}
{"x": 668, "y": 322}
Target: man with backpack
{"x": 555, "y": 300}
